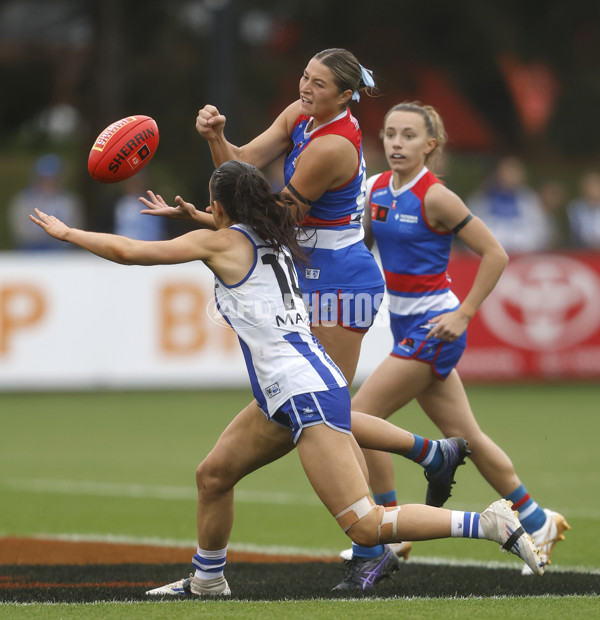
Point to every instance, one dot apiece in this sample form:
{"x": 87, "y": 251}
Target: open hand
{"x": 51, "y": 224}
{"x": 157, "y": 206}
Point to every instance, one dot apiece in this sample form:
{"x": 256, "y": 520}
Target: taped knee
{"x": 374, "y": 524}
{"x": 355, "y": 512}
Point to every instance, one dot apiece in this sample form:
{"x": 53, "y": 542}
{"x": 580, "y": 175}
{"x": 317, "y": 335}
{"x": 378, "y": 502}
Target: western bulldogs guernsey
{"x": 267, "y": 312}
{"x": 340, "y": 260}
{"x": 414, "y": 256}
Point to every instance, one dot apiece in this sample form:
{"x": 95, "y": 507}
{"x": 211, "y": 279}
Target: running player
{"x": 414, "y": 218}
{"x": 300, "y": 393}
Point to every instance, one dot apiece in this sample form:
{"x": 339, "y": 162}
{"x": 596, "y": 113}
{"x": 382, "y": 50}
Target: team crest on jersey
{"x": 312, "y": 274}
{"x": 273, "y": 390}
{"x": 381, "y": 213}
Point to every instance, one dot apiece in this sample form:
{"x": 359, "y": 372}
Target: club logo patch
{"x": 273, "y": 390}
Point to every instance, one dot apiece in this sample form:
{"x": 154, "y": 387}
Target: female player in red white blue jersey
{"x": 414, "y": 218}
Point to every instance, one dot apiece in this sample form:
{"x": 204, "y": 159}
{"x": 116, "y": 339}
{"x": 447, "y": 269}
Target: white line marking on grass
{"x": 191, "y": 544}
{"x": 147, "y": 491}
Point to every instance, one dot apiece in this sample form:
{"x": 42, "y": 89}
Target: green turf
{"x": 122, "y": 464}
{"x": 549, "y": 608}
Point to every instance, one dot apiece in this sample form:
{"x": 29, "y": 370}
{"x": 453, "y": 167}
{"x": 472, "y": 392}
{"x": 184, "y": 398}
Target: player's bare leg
{"x": 342, "y": 346}
{"x": 248, "y": 443}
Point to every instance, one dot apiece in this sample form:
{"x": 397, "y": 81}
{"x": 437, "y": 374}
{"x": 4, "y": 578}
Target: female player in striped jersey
{"x": 302, "y": 397}
{"x": 414, "y": 218}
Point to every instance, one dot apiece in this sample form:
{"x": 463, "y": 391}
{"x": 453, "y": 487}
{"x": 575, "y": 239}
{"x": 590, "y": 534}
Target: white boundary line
{"x": 147, "y": 491}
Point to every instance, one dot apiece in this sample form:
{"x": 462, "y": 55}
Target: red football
{"x": 123, "y": 149}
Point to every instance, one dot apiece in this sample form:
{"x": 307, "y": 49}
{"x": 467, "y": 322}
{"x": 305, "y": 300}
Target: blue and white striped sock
{"x": 425, "y": 452}
{"x": 531, "y": 515}
{"x": 466, "y": 525}
{"x": 209, "y": 564}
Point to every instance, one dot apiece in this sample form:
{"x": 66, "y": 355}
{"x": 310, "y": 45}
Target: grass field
{"x": 120, "y": 466}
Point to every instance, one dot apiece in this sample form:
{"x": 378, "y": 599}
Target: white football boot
{"x": 501, "y": 524}
{"x": 193, "y": 587}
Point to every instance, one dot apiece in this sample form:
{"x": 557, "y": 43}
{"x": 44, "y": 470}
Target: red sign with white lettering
{"x": 542, "y": 321}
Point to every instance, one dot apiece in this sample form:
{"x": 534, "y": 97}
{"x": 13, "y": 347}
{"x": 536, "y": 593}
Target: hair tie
{"x": 367, "y": 78}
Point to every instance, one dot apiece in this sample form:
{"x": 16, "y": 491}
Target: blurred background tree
{"x": 511, "y": 77}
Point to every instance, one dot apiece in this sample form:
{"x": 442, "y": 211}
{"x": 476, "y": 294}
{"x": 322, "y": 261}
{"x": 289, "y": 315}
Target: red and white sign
{"x": 541, "y": 321}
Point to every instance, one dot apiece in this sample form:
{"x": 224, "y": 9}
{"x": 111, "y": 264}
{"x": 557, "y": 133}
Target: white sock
{"x": 466, "y": 525}
{"x": 209, "y": 564}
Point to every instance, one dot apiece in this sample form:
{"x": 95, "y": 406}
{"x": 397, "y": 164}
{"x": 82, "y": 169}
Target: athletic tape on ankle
{"x": 389, "y": 524}
{"x": 355, "y": 512}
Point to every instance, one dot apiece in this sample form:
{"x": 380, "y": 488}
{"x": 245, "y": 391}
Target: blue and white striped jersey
{"x": 268, "y": 314}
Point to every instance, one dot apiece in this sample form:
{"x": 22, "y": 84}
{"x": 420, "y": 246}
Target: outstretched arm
{"x": 227, "y": 252}
{"x": 197, "y": 245}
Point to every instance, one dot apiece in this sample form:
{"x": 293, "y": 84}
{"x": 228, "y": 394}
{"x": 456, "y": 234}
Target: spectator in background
{"x": 512, "y": 210}
{"x": 553, "y": 196}
{"x": 128, "y": 221}
{"x": 47, "y": 194}
{"x": 584, "y": 212}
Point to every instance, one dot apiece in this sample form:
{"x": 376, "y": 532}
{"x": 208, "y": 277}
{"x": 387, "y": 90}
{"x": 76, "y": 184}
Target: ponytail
{"x": 247, "y": 198}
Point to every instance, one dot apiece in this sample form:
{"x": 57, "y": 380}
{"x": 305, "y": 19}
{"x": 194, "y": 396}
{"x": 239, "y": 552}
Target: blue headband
{"x": 367, "y": 78}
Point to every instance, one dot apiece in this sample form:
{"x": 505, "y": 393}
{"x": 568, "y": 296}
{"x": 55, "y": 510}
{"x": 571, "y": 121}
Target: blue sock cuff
{"x": 535, "y": 521}
{"x": 417, "y": 448}
{"x": 517, "y": 494}
{"x": 385, "y": 498}
{"x": 366, "y": 552}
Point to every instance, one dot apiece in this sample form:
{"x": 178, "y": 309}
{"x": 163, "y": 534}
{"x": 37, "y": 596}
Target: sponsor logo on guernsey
{"x": 291, "y": 319}
{"x": 406, "y": 218}
{"x": 273, "y": 390}
{"x": 312, "y": 274}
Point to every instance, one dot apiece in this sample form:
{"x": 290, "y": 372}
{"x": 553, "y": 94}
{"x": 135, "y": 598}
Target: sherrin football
{"x": 123, "y": 149}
